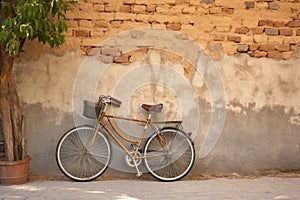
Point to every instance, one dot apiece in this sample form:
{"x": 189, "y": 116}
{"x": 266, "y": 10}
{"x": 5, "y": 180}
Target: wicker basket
{"x": 91, "y": 109}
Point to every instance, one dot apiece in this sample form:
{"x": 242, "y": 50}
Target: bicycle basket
{"x": 91, "y": 109}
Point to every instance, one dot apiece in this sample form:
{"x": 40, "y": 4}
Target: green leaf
{"x": 36, "y": 24}
{"x": 6, "y": 8}
{"x": 17, "y": 47}
{"x": 41, "y": 19}
{"x": 54, "y": 8}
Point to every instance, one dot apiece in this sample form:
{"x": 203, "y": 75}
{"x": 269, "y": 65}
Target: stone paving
{"x": 268, "y": 188}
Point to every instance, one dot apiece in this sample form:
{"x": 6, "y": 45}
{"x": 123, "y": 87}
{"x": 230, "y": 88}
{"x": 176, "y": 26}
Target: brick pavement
{"x": 260, "y": 188}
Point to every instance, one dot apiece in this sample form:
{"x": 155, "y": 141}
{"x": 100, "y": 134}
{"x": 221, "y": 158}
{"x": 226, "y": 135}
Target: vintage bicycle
{"x": 84, "y": 153}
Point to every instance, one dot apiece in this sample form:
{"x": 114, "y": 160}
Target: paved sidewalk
{"x": 260, "y": 188}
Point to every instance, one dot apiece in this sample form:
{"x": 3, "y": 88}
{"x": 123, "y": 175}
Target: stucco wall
{"x": 229, "y": 69}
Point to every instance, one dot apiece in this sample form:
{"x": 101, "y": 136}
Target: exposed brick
{"x": 229, "y": 11}
{"x": 249, "y": 4}
{"x": 94, "y": 21}
{"x": 92, "y": 51}
{"x": 99, "y": 7}
{"x": 265, "y": 23}
{"x": 293, "y": 24}
{"x": 272, "y": 6}
{"x": 106, "y": 59}
{"x": 279, "y": 24}
{"x": 125, "y": 16}
{"x": 124, "y": 59}
{"x": 242, "y": 48}
{"x": 144, "y": 2}
{"x": 110, "y": 8}
{"x": 110, "y": 51}
{"x": 116, "y": 23}
{"x": 72, "y": 24}
{"x": 145, "y": 18}
{"x": 164, "y": 9}
{"x": 236, "y": 39}
{"x": 151, "y": 8}
{"x": 81, "y": 33}
{"x": 267, "y": 47}
{"x": 253, "y": 47}
{"x": 101, "y": 24}
{"x": 257, "y": 30}
{"x": 208, "y": 1}
{"x": 282, "y": 47}
{"x": 125, "y": 8}
{"x": 189, "y": 10}
{"x": 287, "y": 55}
{"x": 98, "y": 32}
{"x": 250, "y": 53}
{"x": 139, "y": 9}
{"x": 275, "y": 55}
{"x": 85, "y": 24}
{"x": 219, "y": 37}
{"x": 271, "y": 31}
{"x": 85, "y": 6}
{"x": 260, "y": 54}
{"x": 194, "y": 2}
{"x": 174, "y": 26}
{"x": 286, "y": 32}
{"x": 242, "y": 30}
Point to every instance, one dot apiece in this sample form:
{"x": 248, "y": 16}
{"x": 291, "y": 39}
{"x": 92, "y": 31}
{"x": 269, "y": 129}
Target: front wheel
{"x": 169, "y": 155}
{"x": 81, "y": 159}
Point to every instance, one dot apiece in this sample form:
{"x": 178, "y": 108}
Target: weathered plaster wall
{"x": 255, "y": 50}
{"x": 261, "y": 129}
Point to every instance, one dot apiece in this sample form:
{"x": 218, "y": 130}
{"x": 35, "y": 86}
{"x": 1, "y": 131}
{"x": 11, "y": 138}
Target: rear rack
{"x": 176, "y": 124}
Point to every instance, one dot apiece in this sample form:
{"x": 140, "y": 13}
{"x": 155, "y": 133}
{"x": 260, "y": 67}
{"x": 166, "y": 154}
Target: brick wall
{"x": 260, "y": 28}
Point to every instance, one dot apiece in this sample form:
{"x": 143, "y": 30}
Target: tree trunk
{"x": 11, "y": 112}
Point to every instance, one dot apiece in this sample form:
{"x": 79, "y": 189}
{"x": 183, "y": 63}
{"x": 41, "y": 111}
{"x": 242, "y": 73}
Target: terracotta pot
{"x": 14, "y": 172}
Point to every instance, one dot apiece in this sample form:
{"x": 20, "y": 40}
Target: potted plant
{"x": 22, "y": 20}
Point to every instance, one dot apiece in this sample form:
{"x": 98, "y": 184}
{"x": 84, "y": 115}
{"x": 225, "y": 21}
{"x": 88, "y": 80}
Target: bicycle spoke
{"x": 76, "y": 161}
{"x": 178, "y": 159}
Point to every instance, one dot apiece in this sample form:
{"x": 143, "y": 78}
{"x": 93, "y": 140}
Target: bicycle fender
{"x": 188, "y": 135}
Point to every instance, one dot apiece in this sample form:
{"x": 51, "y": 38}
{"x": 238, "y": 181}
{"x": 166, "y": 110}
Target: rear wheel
{"x": 78, "y": 159}
{"x": 169, "y": 155}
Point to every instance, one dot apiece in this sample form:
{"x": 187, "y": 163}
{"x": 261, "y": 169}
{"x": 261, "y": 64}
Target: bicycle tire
{"x": 177, "y": 154}
{"x": 76, "y": 161}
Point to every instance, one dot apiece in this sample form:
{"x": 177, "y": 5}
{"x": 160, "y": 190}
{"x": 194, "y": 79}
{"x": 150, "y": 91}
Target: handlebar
{"x": 110, "y": 100}
{"x": 115, "y": 101}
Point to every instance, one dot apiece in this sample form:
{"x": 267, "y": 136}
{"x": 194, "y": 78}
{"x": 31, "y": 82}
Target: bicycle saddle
{"x": 153, "y": 108}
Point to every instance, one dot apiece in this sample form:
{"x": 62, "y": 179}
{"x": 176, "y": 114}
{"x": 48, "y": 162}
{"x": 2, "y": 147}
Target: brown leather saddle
{"x": 153, "y": 108}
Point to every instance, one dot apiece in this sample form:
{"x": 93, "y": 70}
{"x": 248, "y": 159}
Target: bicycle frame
{"x": 138, "y": 142}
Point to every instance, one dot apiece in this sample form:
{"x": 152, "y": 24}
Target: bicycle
{"x": 83, "y": 153}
